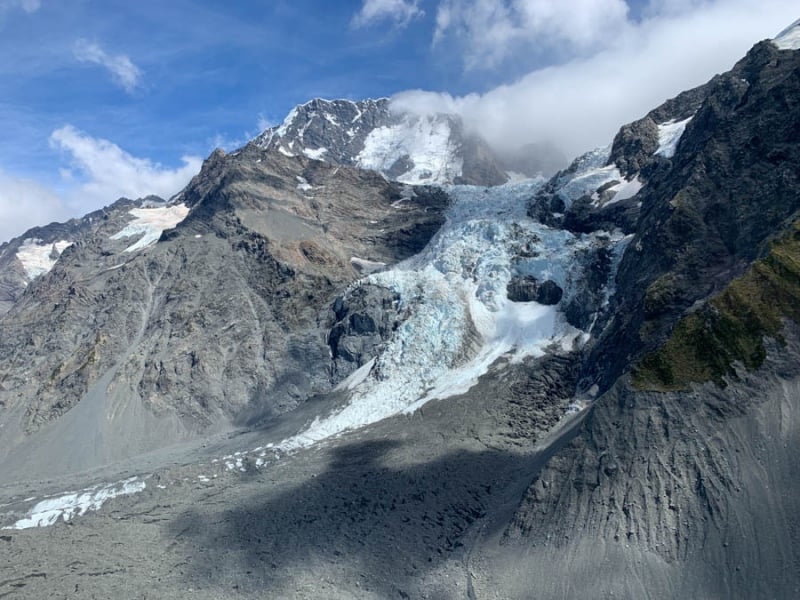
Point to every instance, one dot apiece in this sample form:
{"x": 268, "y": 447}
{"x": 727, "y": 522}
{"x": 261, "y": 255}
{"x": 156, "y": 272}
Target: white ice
{"x": 669, "y": 134}
{"x": 625, "y": 189}
{"x": 150, "y": 223}
{"x": 789, "y": 38}
{"x": 38, "y": 258}
{"x": 48, "y": 512}
{"x": 303, "y": 185}
{"x": 426, "y": 140}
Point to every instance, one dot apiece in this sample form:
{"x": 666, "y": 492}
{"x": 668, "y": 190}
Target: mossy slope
{"x": 731, "y": 327}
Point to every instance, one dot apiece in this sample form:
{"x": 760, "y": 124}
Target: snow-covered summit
{"x": 371, "y": 134}
{"x": 789, "y": 38}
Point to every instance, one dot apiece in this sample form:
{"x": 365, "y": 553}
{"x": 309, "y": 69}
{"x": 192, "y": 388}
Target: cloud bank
{"x": 25, "y": 204}
{"x": 123, "y": 72}
{"x": 618, "y": 68}
{"x": 491, "y": 30}
{"x": 108, "y": 172}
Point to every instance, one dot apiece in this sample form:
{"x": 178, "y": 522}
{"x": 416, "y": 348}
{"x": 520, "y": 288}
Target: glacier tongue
{"x": 460, "y": 318}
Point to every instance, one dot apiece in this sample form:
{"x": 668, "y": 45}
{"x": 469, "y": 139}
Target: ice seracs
{"x": 38, "y": 257}
{"x": 460, "y": 318}
{"x": 150, "y": 223}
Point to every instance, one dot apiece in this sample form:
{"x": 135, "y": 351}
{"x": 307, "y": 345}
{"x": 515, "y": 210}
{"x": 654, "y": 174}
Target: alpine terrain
{"x": 367, "y": 356}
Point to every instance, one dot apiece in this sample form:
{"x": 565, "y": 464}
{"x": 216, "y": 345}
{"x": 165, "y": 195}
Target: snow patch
{"x": 150, "y": 223}
{"x": 669, "y": 134}
{"x": 38, "y": 258}
{"x": 625, "y": 189}
{"x": 357, "y": 377}
{"x": 287, "y": 122}
{"x": 303, "y": 185}
{"x": 789, "y": 38}
{"x": 76, "y": 504}
{"x": 316, "y": 154}
{"x": 285, "y": 152}
{"x": 366, "y": 266}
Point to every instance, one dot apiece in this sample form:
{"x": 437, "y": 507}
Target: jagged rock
{"x": 714, "y": 210}
{"x": 526, "y": 288}
{"x": 549, "y": 293}
{"x": 360, "y": 322}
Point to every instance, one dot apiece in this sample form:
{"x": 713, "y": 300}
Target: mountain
{"x": 410, "y": 148}
{"x": 317, "y": 378}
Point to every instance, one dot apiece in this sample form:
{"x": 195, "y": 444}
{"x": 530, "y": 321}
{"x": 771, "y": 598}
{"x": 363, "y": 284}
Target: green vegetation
{"x": 732, "y": 326}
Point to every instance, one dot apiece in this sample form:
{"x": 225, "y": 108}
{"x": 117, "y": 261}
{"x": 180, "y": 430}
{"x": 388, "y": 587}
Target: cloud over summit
{"x": 619, "y": 68}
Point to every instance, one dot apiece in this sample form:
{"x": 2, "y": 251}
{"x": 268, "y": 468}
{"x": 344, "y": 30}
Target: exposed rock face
{"x": 220, "y": 322}
{"x": 361, "y": 320}
{"x": 687, "y": 490}
{"x": 713, "y": 208}
{"x": 528, "y": 289}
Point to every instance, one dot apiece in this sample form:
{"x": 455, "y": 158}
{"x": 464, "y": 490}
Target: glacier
{"x": 460, "y": 319}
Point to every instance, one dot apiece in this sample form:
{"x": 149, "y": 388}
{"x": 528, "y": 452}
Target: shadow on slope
{"x": 376, "y": 520}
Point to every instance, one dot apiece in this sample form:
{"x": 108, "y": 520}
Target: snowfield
{"x": 669, "y": 134}
{"x": 150, "y": 223}
{"x": 426, "y": 141}
{"x": 789, "y": 38}
{"x": 38, "y": 258}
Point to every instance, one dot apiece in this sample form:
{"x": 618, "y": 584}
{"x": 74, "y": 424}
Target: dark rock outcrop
{"x": 712, "y": 209}
{"x": 529, "y": 289}
{"x": 360, "y": 321}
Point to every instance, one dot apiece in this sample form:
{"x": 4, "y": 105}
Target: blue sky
{"x": 101, "y": 99}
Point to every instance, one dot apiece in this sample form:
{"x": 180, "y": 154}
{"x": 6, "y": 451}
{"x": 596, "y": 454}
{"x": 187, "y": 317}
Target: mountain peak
{"x": 370, "y": 134}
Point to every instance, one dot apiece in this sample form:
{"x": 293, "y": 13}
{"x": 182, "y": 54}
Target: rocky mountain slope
{"x": 581, "y": 388}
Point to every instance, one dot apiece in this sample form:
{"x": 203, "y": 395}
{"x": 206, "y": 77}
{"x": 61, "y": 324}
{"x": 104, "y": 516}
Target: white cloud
{"x": 29, "y": 6}
{"x": 399, "y": 11}
{"x": 108, "y": 172}
{"x": 25, "y": 204}
{"x": 581, "y": 103}
{"x": 123, "y": 72}
{"x": 491, "y": 30}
